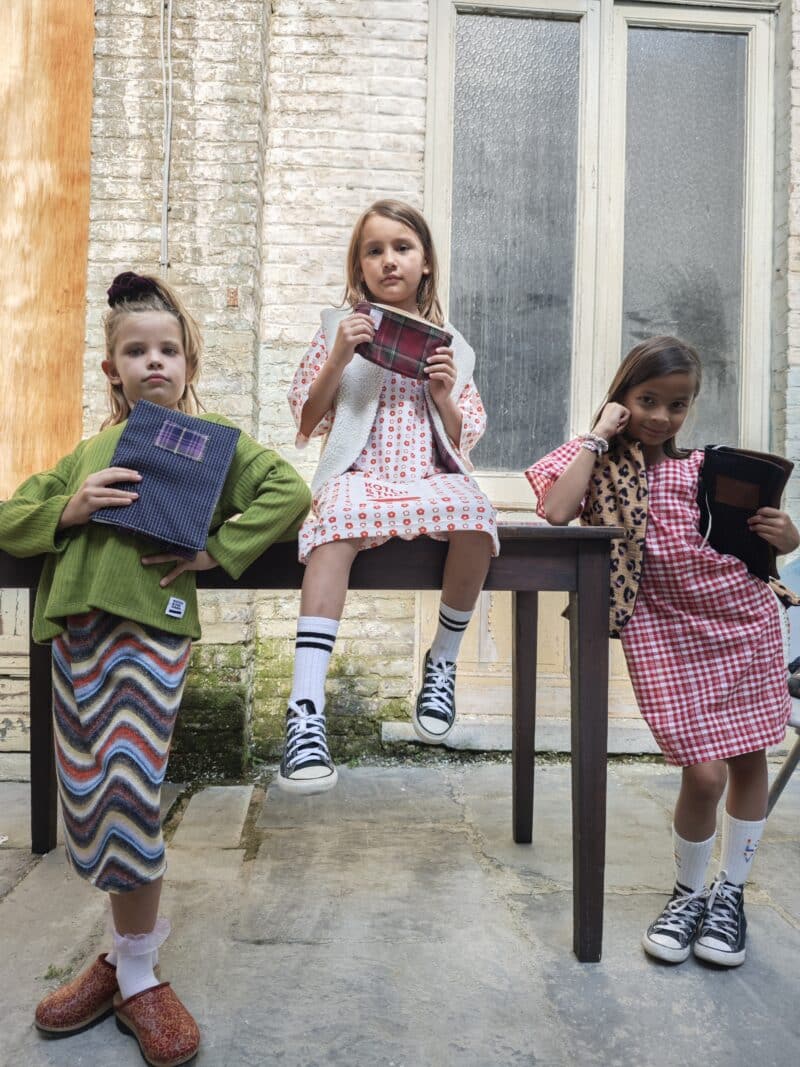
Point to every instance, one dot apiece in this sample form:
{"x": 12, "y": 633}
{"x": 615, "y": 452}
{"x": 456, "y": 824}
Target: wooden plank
{"x": 15, "y": 734}
{"x": 45, "y": 159}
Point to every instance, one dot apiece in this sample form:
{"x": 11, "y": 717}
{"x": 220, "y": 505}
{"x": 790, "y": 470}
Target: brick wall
{"x": 288, "y": 120}
{"x": 216, "y": 198}
{"x": 781, "y": 279}
{"x": 790, "y": 19}
{"x": 346, "y": 125}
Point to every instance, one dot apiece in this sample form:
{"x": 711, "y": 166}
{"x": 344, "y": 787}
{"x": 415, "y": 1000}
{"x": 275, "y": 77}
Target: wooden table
{"x": 533, "y": 558}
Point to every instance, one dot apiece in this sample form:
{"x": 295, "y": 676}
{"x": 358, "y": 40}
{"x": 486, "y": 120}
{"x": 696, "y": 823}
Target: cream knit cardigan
{"x": 357, "y": 404}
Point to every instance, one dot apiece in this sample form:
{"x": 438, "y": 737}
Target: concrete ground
{"x": 393, "y": 923}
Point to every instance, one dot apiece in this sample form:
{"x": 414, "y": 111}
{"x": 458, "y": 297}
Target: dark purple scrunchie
{"x": 129, "y": 286}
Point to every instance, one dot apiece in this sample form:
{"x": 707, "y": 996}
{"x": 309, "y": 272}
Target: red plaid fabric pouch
{"x": 402, "y": 342}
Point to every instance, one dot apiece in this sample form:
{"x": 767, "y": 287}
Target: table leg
{"x": 589, "y": 687}
{"x": 44, "y": 812}
{"x": 523, "y": 713}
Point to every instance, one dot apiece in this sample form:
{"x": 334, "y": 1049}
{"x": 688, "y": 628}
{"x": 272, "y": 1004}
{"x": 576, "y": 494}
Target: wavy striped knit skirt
{"x": 116, "y": 692}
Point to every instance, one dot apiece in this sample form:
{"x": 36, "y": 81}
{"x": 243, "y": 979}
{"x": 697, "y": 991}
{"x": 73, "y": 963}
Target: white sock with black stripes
{"x": 313, "y": 648}
{"x": 449, "y": 633}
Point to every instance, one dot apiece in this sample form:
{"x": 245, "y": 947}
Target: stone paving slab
{"x": 14, "y": 864}
{"x": 214, "y": 817}
{"x": 387, "y": 795}
{"x": 15, "y": 812}
{"x": 410, "y": 931}
{"x": 361, "y": 885}
{"x": 629, "y": 1009}
{"x": 49, "y": 920}
{"x": 631, "y": 815}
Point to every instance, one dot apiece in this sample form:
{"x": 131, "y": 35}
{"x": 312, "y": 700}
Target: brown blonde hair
{"x": 655, "y": 358}
{"x": 156, "y": 295}
{"x": 427, "y": 292}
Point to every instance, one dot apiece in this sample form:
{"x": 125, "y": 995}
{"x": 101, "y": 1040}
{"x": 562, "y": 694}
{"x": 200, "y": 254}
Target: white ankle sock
{"x": 691, "y": 860}
{"x": 313, "y": 650}
{"x": 739, "y": 843}
{"x": 449, "y": 633}
{"x": 111, "y": 957}
{"x": 137, "y": 955}
{"x": 136, "y": 973}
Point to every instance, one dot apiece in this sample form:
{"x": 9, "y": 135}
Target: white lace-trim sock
{"x": 313, "y": 649}
{"x": 740, "y": 840}
{"x": 449, "y": 634}
{"x": 136, "y": 958}
{"x": 691, "y": 860}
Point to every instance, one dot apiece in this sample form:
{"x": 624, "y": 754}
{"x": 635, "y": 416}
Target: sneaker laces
{"x": 438, "y": 688}
{"x": 305, "y": 735}
{"x": 681, "y": 914}
{"x": 722, "y": 911}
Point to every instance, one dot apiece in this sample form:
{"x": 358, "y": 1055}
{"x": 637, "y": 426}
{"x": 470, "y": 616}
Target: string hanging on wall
{"x": 166, "y": 97}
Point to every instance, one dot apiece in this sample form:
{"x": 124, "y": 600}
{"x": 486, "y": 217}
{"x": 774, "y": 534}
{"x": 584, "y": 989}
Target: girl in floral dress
{"x": 395, "y": 464}
{"x": 702, "y": 637}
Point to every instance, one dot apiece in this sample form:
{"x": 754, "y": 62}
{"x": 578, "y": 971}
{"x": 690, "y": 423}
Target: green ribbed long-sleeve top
{"x": 97, "y": 566}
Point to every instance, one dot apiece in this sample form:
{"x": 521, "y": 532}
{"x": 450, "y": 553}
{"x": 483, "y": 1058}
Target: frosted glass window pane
{"x": 513, "y": 235}
{"x": 684, "y": 199}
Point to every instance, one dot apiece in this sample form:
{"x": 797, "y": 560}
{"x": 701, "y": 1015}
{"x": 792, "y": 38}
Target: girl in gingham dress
{"x": 395, "y": 464}
{"x": 704, "y": 644}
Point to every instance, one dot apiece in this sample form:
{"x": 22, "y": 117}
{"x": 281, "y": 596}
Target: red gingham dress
{"x": 395, "y": 488}
{"x": 704, "y": 645}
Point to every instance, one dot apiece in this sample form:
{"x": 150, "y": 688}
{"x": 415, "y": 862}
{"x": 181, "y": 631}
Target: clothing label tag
{"x": 376, "y": 315}
{"x": 176, "y": 608}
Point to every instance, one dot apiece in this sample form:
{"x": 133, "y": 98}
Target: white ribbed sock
{"x": 313, "y": 650}
{"x": 449, "y": 633}
{"x": 136, "y": 958}
{"x": 136, "y": 973}
{"x": 739, "y": 843}
{"x": 691, "y": 860}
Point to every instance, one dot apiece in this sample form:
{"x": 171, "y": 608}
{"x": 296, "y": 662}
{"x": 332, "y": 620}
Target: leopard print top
{"x": 618, "y": 496}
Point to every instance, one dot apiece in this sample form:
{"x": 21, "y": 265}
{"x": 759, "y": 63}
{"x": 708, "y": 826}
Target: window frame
{"x": 597, "y": 307}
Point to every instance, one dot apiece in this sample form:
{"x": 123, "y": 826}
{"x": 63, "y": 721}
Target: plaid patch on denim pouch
{"x": 183, "y": 461}
{"x": 184, "y": 442}
{"x": 402, "y": 342}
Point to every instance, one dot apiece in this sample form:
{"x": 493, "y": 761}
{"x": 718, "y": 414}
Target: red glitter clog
{"x": 166, "y": 1032}
{"x": 79, "y": 1004}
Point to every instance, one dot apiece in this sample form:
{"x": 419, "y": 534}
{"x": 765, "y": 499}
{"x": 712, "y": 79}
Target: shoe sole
{"x": 715, "y": 955}
{"x": 54, "y": 1032}
{"x": 124, "y": 1028}
{"x": 663, "y": 952}
{"x": 307, "y": 785}
{"x": 425, "y": 736}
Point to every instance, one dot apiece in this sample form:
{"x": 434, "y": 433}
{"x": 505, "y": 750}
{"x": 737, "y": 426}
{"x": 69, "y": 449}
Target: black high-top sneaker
{"x": 306, "y": 766}
{"x": 435, "y": 712}
{"x": 670, "y": 937}
{"x": 724, "y": 927}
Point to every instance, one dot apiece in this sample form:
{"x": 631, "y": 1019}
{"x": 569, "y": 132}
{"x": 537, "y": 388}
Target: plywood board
{"x": 45, "y": 120}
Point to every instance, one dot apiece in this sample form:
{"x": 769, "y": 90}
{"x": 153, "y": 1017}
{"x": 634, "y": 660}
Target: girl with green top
{"x": 120, "y": 653}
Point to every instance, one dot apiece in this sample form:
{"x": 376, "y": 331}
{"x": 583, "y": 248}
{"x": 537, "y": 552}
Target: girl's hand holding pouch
{"x": 355, "y": 330}
{"x": 441, "y": 372}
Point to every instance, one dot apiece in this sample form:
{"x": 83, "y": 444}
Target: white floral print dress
{"x": 397, "y": 486}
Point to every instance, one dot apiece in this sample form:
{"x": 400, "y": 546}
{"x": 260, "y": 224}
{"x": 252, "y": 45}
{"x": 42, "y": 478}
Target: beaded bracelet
{"x": 593, "y": 442}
